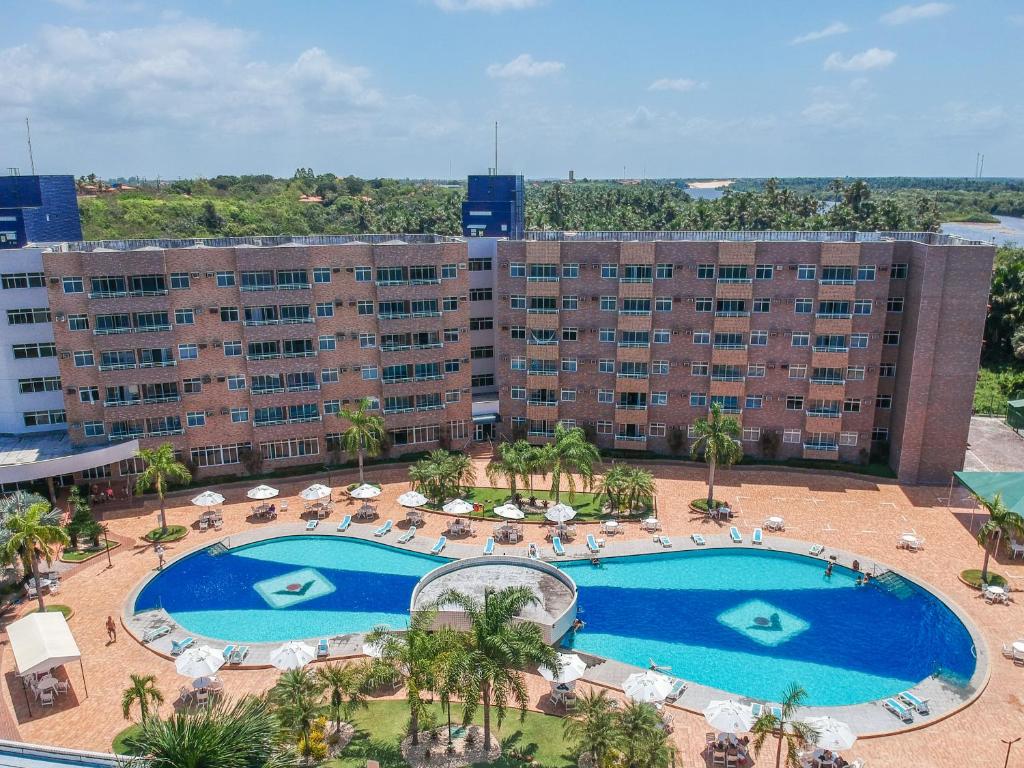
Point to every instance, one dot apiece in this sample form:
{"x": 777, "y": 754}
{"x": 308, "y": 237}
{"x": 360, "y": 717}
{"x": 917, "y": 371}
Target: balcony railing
{"x": 303, "y": 387}
{"x": 732, "y": 313}
{"x": 107, "y": 294}
{"x": 268, "y": 422}
{"x": 540, "y": 343}
{"x": 302, "y": 353}
{"x": 111, "y": 331}
{"x": 407, "y": 379}
{"x": 264, "y": 356}
{"x": 410, "y": 281}
{"x": 390, "y": 411}
{"x": 165, "y": 432}
{"x": 735, "y": 280}
{"x": 295, "y": 320}
{"x": 541, "y": 433}
{"x": 838, "y": 281}
{"x": 393, "y": 315}
{"x": 161, "y": 399}
{"x": 256, "y": 288}
{"x": 831, "y": 349}
{"x": 543, "y": 403}
{"x": 823, "y": 413}
{"x": 257, "y": 323}
{"x": 293, "y": 286}
{"x": 159, "y": 364}
{"x": 726, "y": 377}
{"x": 730, "y": 346}
{"x": 833, "y": 315}
{"x": 407, "y": 347}
{"x": 634, "y": 344}
{"x": 153, "y": 328}
{"x": 119, "y": 403}
{"x": 542, "y": 311}
{"x": 830, "y": 447}
{"x": 632, "y": 438}
{"x": 114, "y": 437}
{"x": 731, "y": 409}
{"x": 829, "y": 381}
{"x": 635, "y": 312}
{"x": 630, "y": 407}
{"x": 624, "y": 375}
{"x": 542, "y": 279}
{"x": 267, "y": 390}
{"x": 541, "y": 372}
{"x": 636, "y": 279}
{"x": 426, "y": 313}
{"x": 119, "y": 366}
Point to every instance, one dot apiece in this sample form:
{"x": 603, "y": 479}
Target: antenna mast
{"x": 31, "y": 159}
{"x": 495, "y": 147}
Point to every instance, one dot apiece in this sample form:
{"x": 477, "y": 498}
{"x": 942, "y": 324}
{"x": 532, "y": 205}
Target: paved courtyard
{"x": 860, "y": 515}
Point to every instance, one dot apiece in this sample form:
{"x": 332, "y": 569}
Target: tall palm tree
{"x": 612, "y": 486}
{"x": 243, "y": 734}
{"x": 365, "y": 434}
{"x": 641, "y": 737}
{"x": 488, "y": 667}
{"x": 512, "y": 464}
{"x": 592, "y": 728}
{"x": 638, "y": 488}
{"x": 442, "y": 475}
{"x": 30, "y": 537}
{"x": 1001, "y": 522}
{"x": 298, "y": 699}
{"x": 346, "y": 687}
{"x": 717, "y": 443}
{"x": 570, "y": 454}
{"x": 161, "y": 468}
{"x": 795, "y": 733}
{"x": 459, "y": 468}
{"x": 142, "y": 691}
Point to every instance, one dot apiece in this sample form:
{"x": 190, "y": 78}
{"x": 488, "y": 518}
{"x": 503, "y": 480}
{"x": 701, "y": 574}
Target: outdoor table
{"x": 776, "y": 521}
{"x": 41, "y": 583}
{"x": 908, "y": 539}
{"x": 207, "y": 683}
{"x": 46, "y": 683}
{"x": 612, "y": 526}
{"x": 995, "y": 590}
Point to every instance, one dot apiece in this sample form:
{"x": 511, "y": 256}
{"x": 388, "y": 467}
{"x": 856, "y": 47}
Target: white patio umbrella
{"x": 832, "y": 734}
{"x": 729, "y": 716}
{"x": 509, "y": 512}
{"x": 373, "y": 650}
{"x": 458, "y": 507}
{"x": 647, "y": 686}
{"x": 560, "y": 513}
{"x": 365, "y": 491}
{"x": 292, "y": 655}
{"x": 261, "y": 492}
{"x": 572, "y": 668}
{"x": 200, "y": 661}
{"x": 412, "y": 499}
{"x": 208, "y": 499}
{"x": 315, "y": 492}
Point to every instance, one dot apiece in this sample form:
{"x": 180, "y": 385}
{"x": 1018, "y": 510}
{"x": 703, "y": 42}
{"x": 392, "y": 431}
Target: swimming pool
{"x": 741, "y": 620}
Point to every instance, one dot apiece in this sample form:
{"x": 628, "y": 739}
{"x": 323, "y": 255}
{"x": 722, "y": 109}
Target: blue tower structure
{"x": 38, "y": 209}
{"x": 495, "y": 207}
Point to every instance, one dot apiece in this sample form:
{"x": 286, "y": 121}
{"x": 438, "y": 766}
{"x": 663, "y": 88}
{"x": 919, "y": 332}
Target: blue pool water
{"x": 745, "y": 621}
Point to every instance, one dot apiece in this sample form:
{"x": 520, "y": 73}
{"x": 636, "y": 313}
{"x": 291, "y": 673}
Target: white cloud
{"x": 828, "y": 112}
{"x": 524, "y": 65}
{"x": 491, "y": 6}
{"x": 681, "y": 84}
{"x": 908, "y": 13}
{"x": 872, "y": 58}
{"x": 1017, "y": 19}
{"x": 835, "y": 28}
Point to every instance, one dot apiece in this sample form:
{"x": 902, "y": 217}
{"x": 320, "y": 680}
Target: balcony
{"x": 393, "y": 316}
{"x": 823, "y": 414}
{"x": 112, "y": 331}
{"x": 393, "y": 411}
{"x": 542, "y": 311}
{"x": 123, "y": 366}
{"x": 303, "y": 387}
{"x": 303, "y": 353}
{"x": 119, "y": 403}
{"x": 622, "y": 375}
{"x": 114, "y": 437}
{"x": 268, "y": 390}
{"x": 258, "y": 323}
{"x": 542, "y": 372}
{"x": 153, "y": 328}
{"x": 161, "y": 399}
{"x": 264, "y": 356}
{"x": 427, "y": 313}
{"x": 410, "y": 281}
{"x": 822, "y": 447}
{"x": 296, "y": 320}
{"x": 634, "y": 344}
{"x": 257, "y": 288}
{"x": 727, "y": 377}
{"x": 165, "y": 432}
{"x": 837, "y": 281}
{"x": 831, "y": 349}
{"x": 635, "y": 312}
{"x": 733, "y": 410}
{"x": 158, "y": 364}
{"x": 543, "y": 279}
{"x": 625, "y": 407}
{"x": 543, "y": 403}
{"x": 541, "y": 343}
{"x": 833, "y": 315}
{"x": 827, "y": 381}
{"x": 293, "y": 286}
{"x": 408, "y": 347}
{"x": 635, "y": 280}
{"x": 732, "y": 313}
{"x": 734, "y": 280}
{"x": 269, "y": 422}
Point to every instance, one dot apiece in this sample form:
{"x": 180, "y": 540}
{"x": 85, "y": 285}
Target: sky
{"x": 608, "y": 88}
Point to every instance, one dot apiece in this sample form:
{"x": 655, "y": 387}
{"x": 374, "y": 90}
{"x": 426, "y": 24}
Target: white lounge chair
{"x": 239, "y": 655}
{"x": 898, "y": 709}
{"x": 908, "y": 698}
{"x": 408, "y": 536}
{"x": 698, "y": 539}
{"x": 385, "y": 529}
{"x": 312, "y": 524}
{"x": 46, "y": 698}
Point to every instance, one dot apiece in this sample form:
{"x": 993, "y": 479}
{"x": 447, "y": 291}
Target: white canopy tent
{"x": 42, "y": 641}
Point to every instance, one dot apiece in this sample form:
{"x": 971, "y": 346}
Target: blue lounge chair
{"x": 758, "y": 537}
{"x": 228, "y": 650}
{"x": 758, "y": 709}
{"x": 385, "y": 529}
{"x": 346, "y": 521}
{"x": 408, "y": 536}
{"x": 665, "y": 541}
{"x": 155, "y": 633}
{"x": 556, "y": 544}
{"x": 489, "y": 546}
{"x": 439, "y": 546}
{"x": 241, "y": 652}
{"x": 698, "y": 539}
{"x": 817, "y": 549}
{"x": 902, "y": 712}
{"x": 322, "y": 648}
{"x": 734, "y": 534}
{"x": 921, "y": 705}
{"x": 678, "y": 687}
{"x": 312, "y": 524}
{"x": 178, "y": 646}
{"x": 533, "y": 552}
{"x": 592, "y": 544}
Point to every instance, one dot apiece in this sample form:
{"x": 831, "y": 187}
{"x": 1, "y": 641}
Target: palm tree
{"x": 641, "y": 737}
{"x": 161, "y": 468}
{"x": 638, "y": 488}
{"x": 346, "y": 686}
{"x": 495, "y": 650}
{"x": 716, "y": 443}
{"x": 365, "y": 435}
{"x": 298, "y": 699}
{"x": 30, "y": 537}
{"x": 612, "y": 486}
{"x": 244, "y": 734}
{"x": 570, "y": 454}
{"x": 795, "y": 733}
{"x": 1001, "y": 522}
{"x": 592, "y": 728}
{"x": 442, "y": 475}
{"x": 459, "y": 469}
{"x": 142, "y": 691}
{"x": 512, "y": 464}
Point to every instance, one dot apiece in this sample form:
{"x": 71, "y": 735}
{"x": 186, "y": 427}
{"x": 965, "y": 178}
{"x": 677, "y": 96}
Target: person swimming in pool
{"x": 577, "y": 624}
{"x": 860, "y": 581}
{"x": 828, "y": 570}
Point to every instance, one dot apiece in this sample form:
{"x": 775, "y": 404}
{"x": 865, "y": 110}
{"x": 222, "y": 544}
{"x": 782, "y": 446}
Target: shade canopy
{"x": 261, "y": 492}
{"x": 41, "y": 641}
{"x": 208, "y": 499}
{"x": 509, "y": 512}
{"x": 292, "y": 655}
{"x": 315, "y": 492}
{"x": 832, "y": 734}
{"x": 729, "y": 716}
{"x": 365, "y": 491}
{"x": 199, "y": 661}
{"x": 571, "y": 667}
{"x": 458, "y": 507}
{"x": 1009, "y": 486}
{"x": 560, "y": 513}
{"x": 647, "y": 686}
{"x": 412, "y": 499}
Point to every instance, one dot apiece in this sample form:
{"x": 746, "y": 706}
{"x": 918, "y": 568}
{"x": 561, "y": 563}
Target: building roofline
{"x": 752, "y": 236}
{"x": 263, "y": 241}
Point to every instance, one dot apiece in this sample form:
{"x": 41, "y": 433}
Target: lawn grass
{"x": 119, "y": 747}
{"x": 56, "y": 608}
{"x": 381, "y": 728}
{"x": 999, "y": 380}
{"x": 81, "y": 555}
{"x": 173, "y": 533}
{"x": 587, "y": 505}
{"x": 972, "y": 577}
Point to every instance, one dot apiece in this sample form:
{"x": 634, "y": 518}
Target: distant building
{"x": 38, "y": 209}
{"x": 495, "y": 207}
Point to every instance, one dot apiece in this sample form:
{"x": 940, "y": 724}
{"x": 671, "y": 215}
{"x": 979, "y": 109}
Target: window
{"x": 42, "y": 418}
{"x": 84, "y": 359}
{"x": 887, "y": 370}
{"x": 229, "y": 314}
{"x": 517, "y": 332}
{"x": 89, "y": 394}
{"x": 481, "y": 323}
{"x": 570, "y": 302}
{"x": 759, "y": 338}
{"x": 756, "y": 371}
{"x": 23, "y": 280}
{"x": 28, "y": 316}
{"x": 797, "y": 372}
{"x": 704, "y": 304}
{"x": 608, "y": 303}
{"x": 570, "y": 334}
{"x": 368, "y": 373}
{"x": 188, "y": 352}
{"x": 325, "y": 309}
{"x": 879, "y": 434}
{"x": 450, "y": 304}
{"x": 803, "y": 306}
{"x": 751, "y": 434}
{"x": 606, "y": 366}
{"x": 659, "y": 367}
{"x": 484, "y": 294}
{"x": 518, "y": 393}
{"x": 663, "y": 271}
{"x": 367, "y": 340}
{"x": 702, "y": 337}
{"x": 606, "y": 396}
{"x": 225, "y": 279}
{"x": 363, "y": 274}
{"x": 659, "y": 398}
{"x": 705, "y": 271}
{"x": 662, "y": 336}
{"x": 891, "y": 338}
{"x": 862, "y": 307}
{"x": 569, "y": 364}
{"x": 606, "y": 335}
{"x": 764, "y": 272}
{"x": 899, "y": 272}
{"x": 73, "y": 285}
{"x": 664, "y": 304}
{"x": 762, "y": 305}
{"x": 184, "y": 317}
{"x": 656, "y": 430}
{"x": 321, "y": 275}
{"x": 180, "y": 280}
{"x": 609, "y": 271}
{"x": 449, "y": 271}
{"x": 93, "y": 428}
{"x": 329, "y": 375}
{"x": 481, "y": 353}
{"x": 806, "y": 272}
{"x": 801, "y": 340}
{"x": 78, "y": 322}
{"x": 516, "y": 269}
{"x": 568, "y": 395}
{"x": 794, "y": 403}
{"x": 847, "y": 438}
{"x": 192, "y": 386}
{"x": 866, "y": 272}
{"x": 858, "y": 341}
{"x": 604, "y": 427}
{"x": 196, "y": 418}
{"x": 894, "y": 304}
{"x": 753, "y": 401}
{"x": 515, "y": 301}
{"x": 236, "y": 382}
{"x": 232, "y": 349}
{"x": 851, "y": 405}
{"x": 364, "y": 307}
{"x": 791, "y": 436}
{"x": 883, "y": 402}
{"x": 39, "y": 384}
{"x": 328, "y": 343}
{"x": 698, "y": 400}
{"x": 570, "y": 271}
{"x": 698, "y": 369}
{"x": 287, "y": 449}
{"x": 451, "y": 335}
{"x": 452, "y": 396}
{"x": 239, "y": 415}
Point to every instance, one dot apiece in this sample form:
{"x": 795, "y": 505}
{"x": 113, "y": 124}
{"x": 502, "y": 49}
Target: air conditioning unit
{"x": 209, "y": 274}
{"x": 209, "y": 413}
{"x": 203, "y": 346}
{"x": 351, "y": 303}
{"x": 207, "y": 378}
{"x": 773, "y": 333}
{"x": 784, "y": 366}
{"x": 211, "y": 310}
{"x": 224, "y": 411}
{"x": 60, "y": 316}
{"x": 65, "y": 355}
{"x": 222, "y": 379}
{"x": 76, "y": 425}
{"x": 792, "y": 267}
{"x": 218, "y": 344}
{"x": 339, "y": 303}
{"x": 194, "y": 274}
{"x": 71, "y": 390}
{"x": 336, "y": 270}
{"x": 350, "y": 270}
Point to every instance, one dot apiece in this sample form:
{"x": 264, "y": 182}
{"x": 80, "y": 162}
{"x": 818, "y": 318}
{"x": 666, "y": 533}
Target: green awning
{"x": 1009, "y": 485}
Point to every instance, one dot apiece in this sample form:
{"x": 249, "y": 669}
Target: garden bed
{"x": 587, "y": 505}
{"x": 82, "y": 555}
{"x": 173, "y": 533}
{"x": 972, "y": 578}
{"x": 66, "y": 610}
{"x": 700, "y": 506}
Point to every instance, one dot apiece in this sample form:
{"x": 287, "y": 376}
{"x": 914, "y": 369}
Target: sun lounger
{"x": 155, "y": 633}
{"x": 178, "y": 646}
{"x": 698, "y": 539}
{"x": 346, "y": 521}
{"x": 758, "y": 537}
{"x": 533, "y": 552}
{"x": 757, "y": 709}
{"x": 489, "y": 546}
{"x": 385, "y": 529}
{"x": 439, "y": 546}
{"x": 556, "y": 544}
{"x": 678, "y": 687}
{"x": 665, "y": 541}
{"x": 902, "y": 712}
{"x": 408, "y": 536}
{"x": 228, "y": 650}
{"x": 312, "y": 524}
{"x": 817, "y": 549}
{"x": 592, "y": 544}
{"x": 921, "y": 705}
{"x": 734, "y": 534}
{"x": 241, "y": 652}
{"x": 322, "y": 648}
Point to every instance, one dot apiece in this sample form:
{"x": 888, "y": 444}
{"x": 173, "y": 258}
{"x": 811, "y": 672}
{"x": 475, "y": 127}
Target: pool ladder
{"x": 217, "y": 549}
{"x": 894, "y": 584}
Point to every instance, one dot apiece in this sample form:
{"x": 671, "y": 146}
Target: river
{"x": 1010, "y": 229}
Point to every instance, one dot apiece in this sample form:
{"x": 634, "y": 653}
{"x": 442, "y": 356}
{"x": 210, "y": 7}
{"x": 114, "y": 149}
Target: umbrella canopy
{"x": 200, "y": 661}
{"x": 292, "y": 655}
{"x": 365, "y": 491}
{"x": 261, "y": 492}
{"x": 560, "y": 513}
{"x": 412, "y": 499}
{"x": 647, "y": 686}
{"x": 458, "y": 507}
{"x": 832, "y": 734}
{"x": 729, "y": 716}
{"x": 373, "y": 650}
{"x": 572, "y": 668}
{"x": 315, "y": 492}
{"x": 208, "y": 499}
{"x": 509, "y": 512}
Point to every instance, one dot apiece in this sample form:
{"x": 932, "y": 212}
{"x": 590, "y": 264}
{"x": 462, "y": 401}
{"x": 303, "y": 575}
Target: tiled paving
{"x": 859, "y": 515}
